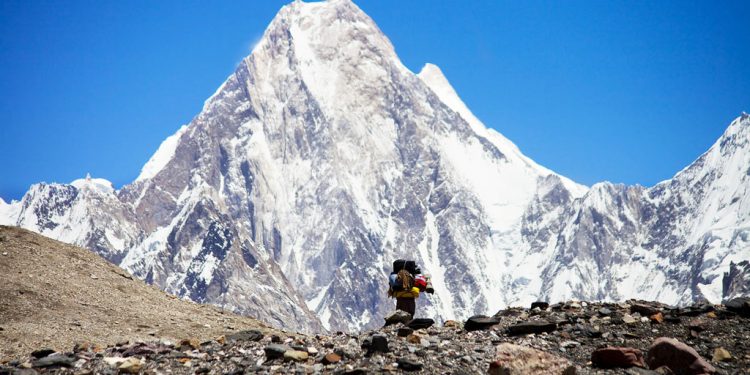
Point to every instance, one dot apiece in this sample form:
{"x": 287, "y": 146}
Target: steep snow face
{"x": 162, "y": 156}
{"x": 321, "y": 159}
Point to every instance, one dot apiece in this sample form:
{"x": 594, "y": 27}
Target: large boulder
{"x": 680, "y": 358}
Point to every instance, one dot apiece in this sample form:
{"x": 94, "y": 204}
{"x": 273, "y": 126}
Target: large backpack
{"x": 403, "y": 275}
{"x": 409, "y": 265}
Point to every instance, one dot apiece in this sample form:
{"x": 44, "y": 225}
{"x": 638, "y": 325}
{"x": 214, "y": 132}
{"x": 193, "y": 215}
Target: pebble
{"x": 296, "y": 355}
{"x": 721, "y": 355}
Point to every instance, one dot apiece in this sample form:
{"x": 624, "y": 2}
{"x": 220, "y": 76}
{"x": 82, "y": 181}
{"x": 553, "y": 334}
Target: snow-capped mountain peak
{"x": 321, "y": 159}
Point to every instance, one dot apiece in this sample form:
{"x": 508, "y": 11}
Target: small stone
{"x": 5, "y": 253}
{"x": 312, "y": 350}
{"x": 644, "y": 310}
{"x": 452, "y": 324}
{"x": 250, "y": 335}
{"x": 480, "y": 322}
{"x": 420, "y": 323}
{"x": 379, "y": 344}
{"x": 331, "y": 358}
{"x": 414, "y": 338}
{"x": 274, "y": 351}
{"x": 569, "y": 344}
{"x": 192, "y": 343}
{"x": 539, "y": 304}
{"x": 296, "y": 355}
{"x": 721, "y": 355}
{"x": 605, "y": 311}
{"x": 680, "y": 358}
{"x": 407, "y": 364}
{"x": 131, "y": 365}
{"x": 740, "y": 306}
{"x": 531, "y": 327}
{"x": 113, "y": 361}
{"x": 628, "y": 319}
{"x": 657, "y": 318}
{"x": 697, "y": 309}
{"x": 404, "y": 331}
{"x": 53, "y": 361}
{"x": 616, "y": 357}
{"x": 397, "y": 316}
{"x": 94, "y": 277}
{"x": 41, "y": 353}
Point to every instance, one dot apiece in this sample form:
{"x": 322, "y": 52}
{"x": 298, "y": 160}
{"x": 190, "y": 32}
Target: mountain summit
{"x": 322, "y": 158}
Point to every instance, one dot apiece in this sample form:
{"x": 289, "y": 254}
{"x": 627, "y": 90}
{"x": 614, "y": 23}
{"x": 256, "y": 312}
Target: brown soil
{"x": 54, "y": 295}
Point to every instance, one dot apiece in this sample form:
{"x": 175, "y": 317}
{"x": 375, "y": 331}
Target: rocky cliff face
{"x": 322, "y": 158}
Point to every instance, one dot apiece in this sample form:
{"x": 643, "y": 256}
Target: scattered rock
{"x": 397, "y": 316}
{"x": 331, "y": 358}
{"x": 53, "y": 361}
{"x": 113, "y": 361}
{"x": 540, "y": 305}
{"x": 41, "y": 353}
{"x": 404, "y": 331}
{"x": 696, "y": 310}
{"x": 628, "y": 319}
{"x": 131, "y": 365}
{"x": 657, "y": 318}
{"x": 679, "y": 357}
{"x": 516, "y": 359}
{"x": 614, "y": 357}
{"x": 420, "y": 323}
{"x": 740, "y": 306}
{"x": 274, "y": 351}
{"x": 375, "y": 344}
{"x": 531, "y": 327}
{"x": 643, "y": 309}
{"x": 605, "y": 311}
{"x": 451, "y": 324}
{"x": 407, "y": 364}
{"x": 249, "y": 335}
{"x": 296, "y": 355}
{"x": 721, "y": 355}
{"x": 480, "y": 322}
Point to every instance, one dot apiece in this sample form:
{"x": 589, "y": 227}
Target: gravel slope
{"x": 55, "y": 295}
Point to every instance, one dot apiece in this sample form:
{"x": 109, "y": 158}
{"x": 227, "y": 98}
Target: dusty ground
{"x": 54, "y": 295}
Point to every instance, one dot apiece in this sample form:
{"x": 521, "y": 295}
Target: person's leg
{"x": 411, "y": 305}
{"x": 408, "y": 305}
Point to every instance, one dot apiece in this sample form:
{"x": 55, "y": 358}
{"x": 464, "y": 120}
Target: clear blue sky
{"x": 625, "y": 91}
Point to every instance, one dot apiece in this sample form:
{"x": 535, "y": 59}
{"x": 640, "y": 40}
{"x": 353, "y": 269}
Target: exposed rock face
{"x": 322, "y": 158}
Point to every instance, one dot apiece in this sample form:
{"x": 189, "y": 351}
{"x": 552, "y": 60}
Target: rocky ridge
{"x": 633, "y": 337}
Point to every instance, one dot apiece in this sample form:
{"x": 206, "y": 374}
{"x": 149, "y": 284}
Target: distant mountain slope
{"x": 322, "y": 158}
{"x": 53, "y": 295}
